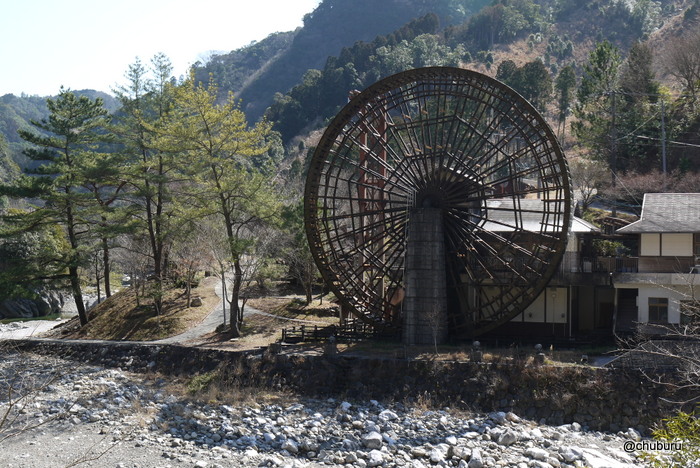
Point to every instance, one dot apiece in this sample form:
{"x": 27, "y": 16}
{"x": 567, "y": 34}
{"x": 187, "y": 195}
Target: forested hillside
{"x": 545, "y": 35}
{"x": 16, "y": 112}
{"x": 334, "y": 24}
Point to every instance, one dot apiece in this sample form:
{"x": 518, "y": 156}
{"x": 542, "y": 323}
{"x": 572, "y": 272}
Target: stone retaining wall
{"x": 601, "y": 399}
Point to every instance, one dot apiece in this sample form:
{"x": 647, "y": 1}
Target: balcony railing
{"x": 573, "y": 262}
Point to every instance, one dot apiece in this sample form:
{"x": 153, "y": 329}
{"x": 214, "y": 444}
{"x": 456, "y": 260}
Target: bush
{"x": 683, "y": 430}
{"x": 200, "y": 383}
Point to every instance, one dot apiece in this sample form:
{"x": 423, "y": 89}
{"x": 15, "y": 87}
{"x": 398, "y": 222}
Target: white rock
{"x": 345, "y": 407}
{"x": 376, "y": 458}
{"x": 594, "y": 459}
{"x": 569, "y": 455}
{"x": 537, "y": 453}
{"x": 632, "y": 434}
{"x": 462, "y": 452}
{"x": 512, "y": 417}
{"x": 419, "y": 452}
{"x": 290, "y": 446}
{"x": 476, "y": 461}
{"x": 388, "y": 415}
{"x": 436, "y": 456}
{"x": 508, "y": 438}
{"x": 373, "y": 440}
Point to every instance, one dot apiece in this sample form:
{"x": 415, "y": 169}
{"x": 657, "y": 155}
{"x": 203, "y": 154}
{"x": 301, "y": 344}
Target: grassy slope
{"x": 120, "y": 318}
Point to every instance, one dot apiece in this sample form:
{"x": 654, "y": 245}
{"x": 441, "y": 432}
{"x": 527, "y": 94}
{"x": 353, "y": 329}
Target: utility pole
{"x": 613, "y": 147}
{"x": 663, "y": 139}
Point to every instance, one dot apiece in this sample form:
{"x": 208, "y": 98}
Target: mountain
{"x": 299, "y": 79}
{"x": 304, "y": 76}
{"x": 16, "y": 112}
{"x": 333, "y": 25}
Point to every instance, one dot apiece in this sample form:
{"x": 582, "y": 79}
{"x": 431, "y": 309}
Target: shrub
{"x": 683, "y": 429}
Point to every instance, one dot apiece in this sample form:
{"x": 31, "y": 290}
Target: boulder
{"x": 373, "y": 440}
{"x": 196, "y": 302}
{"x": 47, "y": 303}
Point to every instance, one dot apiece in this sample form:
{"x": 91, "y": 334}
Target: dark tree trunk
{"x": 97, "y": 281}
{"x": 233, "y": 319}
{"x": 73, "y": 266}
{"x": 309, "y": 294}
{"x": 236, "y": 293}
{"x": 77, "y": 294}
{"x": 224, "y": 294}
{"x": 107, "y": 269}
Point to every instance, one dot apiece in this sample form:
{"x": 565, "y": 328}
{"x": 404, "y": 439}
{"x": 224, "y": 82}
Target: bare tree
{"x": 256, "y": 265}
{"x": 302, "y": 267}
{"x": 671, "y": 347}
{"x": 219, "y": 256}
{"x": 632, "y": 186}
{"x": 191, "y": 255}
{"x": 682, "y": 61}
{"x": 133, "y": 257}
{"x": 588, "y": 177}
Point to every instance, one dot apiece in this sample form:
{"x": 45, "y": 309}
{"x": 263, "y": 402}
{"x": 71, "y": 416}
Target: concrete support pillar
{"x": 425, "y": 304}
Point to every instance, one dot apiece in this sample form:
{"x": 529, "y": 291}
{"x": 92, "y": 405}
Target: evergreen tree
{"x": 219, "y": 147}
{"x": 152, "y": 171}
{"x": 640, "y": 110}
{"x": 63, "y": 144}
{"x": 565, "y": 86}
{"x": 597, "y": 106}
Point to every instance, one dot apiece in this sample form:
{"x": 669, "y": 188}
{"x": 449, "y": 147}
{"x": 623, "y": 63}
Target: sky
{"x": 89, "y": 44}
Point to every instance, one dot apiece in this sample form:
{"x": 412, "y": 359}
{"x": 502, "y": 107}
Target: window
{"x": 696, "y": 245}
{"x": 658, "y": 309}
{"x": 690, "y": 312}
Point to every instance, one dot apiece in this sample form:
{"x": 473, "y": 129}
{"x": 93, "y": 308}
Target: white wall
{"x": 676, "y": 245}
{"x": 649, "y": 245}
{"x": 557, "y": 304}
{"x": 666, "y": 245}
{"x": 535, "y": 312}
{"x": 674, "y": 297}
{"x": 553, "y": 309}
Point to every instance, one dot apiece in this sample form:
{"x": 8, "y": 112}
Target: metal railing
{"x": 573, "y": 262}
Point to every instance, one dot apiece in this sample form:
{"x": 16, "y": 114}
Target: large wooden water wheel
{"x": 456, "y": 141}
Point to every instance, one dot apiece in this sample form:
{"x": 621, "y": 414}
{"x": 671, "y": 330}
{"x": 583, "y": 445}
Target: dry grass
{"x": 452, "y": 353}
{"x": 120, "y": 318}
{"x": 294, "y": 307}
{"x": 260, "y": 330}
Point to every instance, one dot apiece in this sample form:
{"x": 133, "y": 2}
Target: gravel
{"x": 26, "y": 329}
{"x": 80, "y": 415}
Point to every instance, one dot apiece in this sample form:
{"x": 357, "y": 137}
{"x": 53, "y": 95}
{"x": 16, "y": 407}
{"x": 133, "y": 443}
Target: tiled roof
{"x": 667, "y": 212}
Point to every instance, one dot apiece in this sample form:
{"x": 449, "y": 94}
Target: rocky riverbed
{"x": 72, "y": 414}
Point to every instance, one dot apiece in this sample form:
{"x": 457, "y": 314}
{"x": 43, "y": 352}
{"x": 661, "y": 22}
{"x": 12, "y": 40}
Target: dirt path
{"x": 206, "y": 327}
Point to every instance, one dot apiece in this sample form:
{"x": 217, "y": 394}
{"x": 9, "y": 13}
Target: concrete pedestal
{"x": 425, "y": 304}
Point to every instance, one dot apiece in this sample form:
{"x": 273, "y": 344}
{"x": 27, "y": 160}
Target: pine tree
{"x": 596, "y": 109}
{"x": 152, "y": 171}
{"x": 565, "y": 85}
{"x": 218, "y": 145}
{"x": 63, "y": 145}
